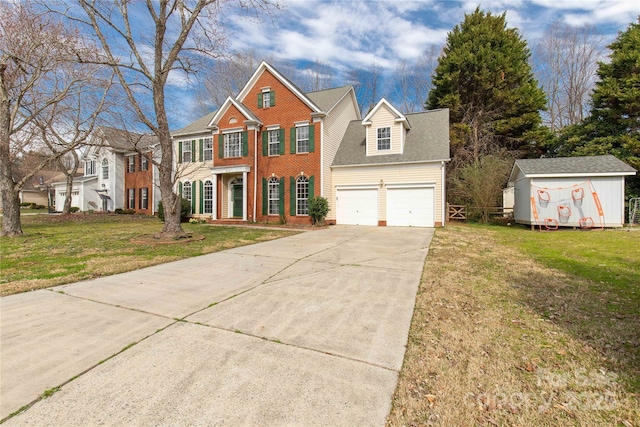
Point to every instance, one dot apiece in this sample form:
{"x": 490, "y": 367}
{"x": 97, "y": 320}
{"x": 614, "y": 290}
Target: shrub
{"x": 73, "y": 209}
{"x": 124, "y": 211}
{"x": 318, "y": 209}
{"x": 24, "y": 204}
{"x": 185, "y": 210}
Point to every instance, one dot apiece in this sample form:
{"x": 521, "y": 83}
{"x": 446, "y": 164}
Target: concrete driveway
{"x": 306, "y": 330}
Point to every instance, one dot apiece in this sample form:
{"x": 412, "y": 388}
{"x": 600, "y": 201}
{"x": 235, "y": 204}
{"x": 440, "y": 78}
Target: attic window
{"x": 266, "y": 99}
{"x": 233, "y": 120}
{"x": 384, "y": 138}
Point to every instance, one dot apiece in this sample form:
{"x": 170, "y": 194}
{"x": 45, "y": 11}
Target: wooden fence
{"x": 462, "y": 212}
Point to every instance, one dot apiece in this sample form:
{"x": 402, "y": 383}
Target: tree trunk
{"x": 170, "y": 201}
{"x": 10, "y": 199}
{"x": 67, "y": 199}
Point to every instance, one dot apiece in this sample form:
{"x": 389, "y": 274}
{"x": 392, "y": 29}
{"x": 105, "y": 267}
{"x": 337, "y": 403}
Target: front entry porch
{"x": 230, "y": 193}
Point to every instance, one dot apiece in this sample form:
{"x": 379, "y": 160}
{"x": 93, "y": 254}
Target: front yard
{"x": 61, "y": 249}
{"x": 519, "y": 328}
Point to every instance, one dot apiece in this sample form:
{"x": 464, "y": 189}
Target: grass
{"x": 520, "y": 328}
{"x": 61, "y": 249}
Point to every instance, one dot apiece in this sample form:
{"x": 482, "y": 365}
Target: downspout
{"x": 322, "y": 158}
{"x": 255, "y": 172}
{"x": 444, "y": 194}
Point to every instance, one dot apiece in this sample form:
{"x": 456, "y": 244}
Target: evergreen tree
{"x": 614, "y": 124}
{"x": 485, "y": 79}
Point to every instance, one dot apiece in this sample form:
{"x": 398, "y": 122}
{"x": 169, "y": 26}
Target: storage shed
{"x": 580, "y": 192}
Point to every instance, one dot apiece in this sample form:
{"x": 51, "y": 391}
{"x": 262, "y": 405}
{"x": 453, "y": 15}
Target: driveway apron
{"x": 306, "y": 330}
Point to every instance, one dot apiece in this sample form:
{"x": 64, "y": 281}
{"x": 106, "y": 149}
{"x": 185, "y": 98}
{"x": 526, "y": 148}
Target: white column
{"x": 214, "y": 214}
{"x": 244, "y": 196}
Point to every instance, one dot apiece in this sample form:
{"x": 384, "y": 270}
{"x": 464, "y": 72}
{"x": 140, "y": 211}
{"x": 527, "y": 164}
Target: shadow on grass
{"x": 605, "y": 318}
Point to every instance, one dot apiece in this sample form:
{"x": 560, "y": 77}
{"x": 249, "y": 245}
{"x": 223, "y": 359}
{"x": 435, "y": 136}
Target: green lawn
{"x": 61, "y": 249}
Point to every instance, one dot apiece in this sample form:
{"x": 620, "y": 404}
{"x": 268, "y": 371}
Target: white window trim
{"x": 384, "y": 150}
{"x": 275, "y": 132}
{"x": 187, "y": 185}
{"x": 227, "y": 144}
{"x": 205, "y": 150}
{"x": 144, "y": 200}
{"x": 205, "y": 199}
{"x": 276, "y": 183}
{"x": 186, "y": 148}
{"x": 298, "y": 139}
{"x": 298, "y": 199}
{"x": 144, "y": 163}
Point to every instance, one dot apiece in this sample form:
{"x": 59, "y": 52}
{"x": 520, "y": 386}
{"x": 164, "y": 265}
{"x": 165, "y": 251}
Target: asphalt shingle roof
{"x": 199, "y": 125}
{"x": 427, "y": 140}
{"x": 122, "y": 140}
{"x": 569, "y": 165}
{"x": 326, "y": 99}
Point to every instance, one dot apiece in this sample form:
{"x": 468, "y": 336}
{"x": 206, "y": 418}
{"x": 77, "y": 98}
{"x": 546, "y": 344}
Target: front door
{"x": 237, "y": 201}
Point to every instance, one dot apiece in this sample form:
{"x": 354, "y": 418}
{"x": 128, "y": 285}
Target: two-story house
{"x": 262, "y": 154}
{"x": 118, "y": 173}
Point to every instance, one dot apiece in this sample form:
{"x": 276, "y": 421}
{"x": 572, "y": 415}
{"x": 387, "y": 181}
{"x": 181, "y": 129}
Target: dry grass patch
{"x": 492, "y": 343}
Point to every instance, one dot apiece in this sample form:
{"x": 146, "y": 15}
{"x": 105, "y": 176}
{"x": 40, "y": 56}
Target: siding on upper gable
{"x": 335, "y": 126}
{"x": 420, "y": 173}
{"x": 384, "y": 118}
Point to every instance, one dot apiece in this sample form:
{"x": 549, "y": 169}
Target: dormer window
{"x": 90, "y": 167}
{"x": 384, "y": 138}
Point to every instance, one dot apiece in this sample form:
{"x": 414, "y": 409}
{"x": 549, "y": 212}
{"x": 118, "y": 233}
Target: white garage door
{"x": 357, "y": 206}
{"x": 413, "y": 207}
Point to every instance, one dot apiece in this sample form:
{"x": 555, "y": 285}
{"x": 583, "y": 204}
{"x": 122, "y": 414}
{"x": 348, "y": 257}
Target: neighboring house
{"x": 390, "y": 169}
{"x": 35, "y": 190}
{"x": 570, "y": 191}
{"x": 118, "y": 174}
{"x": 265, "y": 152}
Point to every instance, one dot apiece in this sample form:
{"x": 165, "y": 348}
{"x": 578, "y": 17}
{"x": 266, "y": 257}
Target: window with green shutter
{"x": 265, "y": 196}
{"x": 201, "y": 210}
{"x": 281, "y": 141}
{"x": 193, "y": 196}
{"x": 292, "y": 196}
{"x": 281, "y": 197}
{"x": 180, "y": 152}
{"x": 265, "y": 143}
{"x": 201, "y": 158}
{"x": 292, "y": 141}
{"x": 220, "y": 139}
{"x": 245, "y": 143}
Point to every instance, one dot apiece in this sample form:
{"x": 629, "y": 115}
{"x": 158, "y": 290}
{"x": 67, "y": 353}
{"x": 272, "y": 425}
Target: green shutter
{"x": 281, "y": 197}
{"x": 245, "y": 143}
{"x": 260, "y": 100}
{"x": 272, "y": 99}
{"x": 193, "y": 150}
{"x": 201, "y": 196}
{"x": 292, "y": 140}
{"x": 180, "y": 189}
{"x": 281, "y": 141}
{"x": 265, "y": 200}
{"x": 201, "y": 150}
{"x": 292, "y": 196}
{"x": 265, "y": 143}
{"x": 220, "y": 146}
{"x": 311, "y": 193}
{"x": 180, "y": 152}
{"x": 312, "y": 138}
{"x": 193, "y": 194}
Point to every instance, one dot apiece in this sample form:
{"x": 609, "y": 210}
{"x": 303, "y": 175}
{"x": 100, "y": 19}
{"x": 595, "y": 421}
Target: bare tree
{"x": 182, "y": 34}
{"x": 567, "y": 62}
{"x": 373, "y": 85}
{"x": 39, "y": 79}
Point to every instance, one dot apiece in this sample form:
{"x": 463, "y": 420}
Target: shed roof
{"x": 427, "y": 140}
{"x": 567, "y": 166}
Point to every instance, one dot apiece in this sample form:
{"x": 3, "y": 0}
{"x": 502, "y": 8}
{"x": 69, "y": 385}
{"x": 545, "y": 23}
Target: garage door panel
{"x": 357, "y": 206}
{"x": 411, "y": 207}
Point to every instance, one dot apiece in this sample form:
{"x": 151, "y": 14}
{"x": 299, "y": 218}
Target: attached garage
{"x": 411, "y": 206}
{"x": 357, "y": 206}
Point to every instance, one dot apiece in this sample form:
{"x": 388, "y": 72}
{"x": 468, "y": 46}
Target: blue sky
{"x": 352, "y": 34}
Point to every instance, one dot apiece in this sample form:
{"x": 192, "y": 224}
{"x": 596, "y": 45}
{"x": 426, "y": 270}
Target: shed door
{"x": 357, "y": 206}
{"x": 411, "y": 207}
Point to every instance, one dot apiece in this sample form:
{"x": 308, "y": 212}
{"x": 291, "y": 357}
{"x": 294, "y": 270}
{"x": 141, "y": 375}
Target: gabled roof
{"x": 427, "y": 140}
{"x": 122, "y": 140}
{"x": 246, "y": 112}
{"x": 199, "y": 126}
{"x": 568, "y": 166}
{"x": 264, "y": 66}
{"x": 399, "y": 117}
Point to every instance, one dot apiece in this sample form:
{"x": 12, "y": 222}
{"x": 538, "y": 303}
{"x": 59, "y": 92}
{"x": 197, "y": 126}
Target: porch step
{"x": 227, "y": 221}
